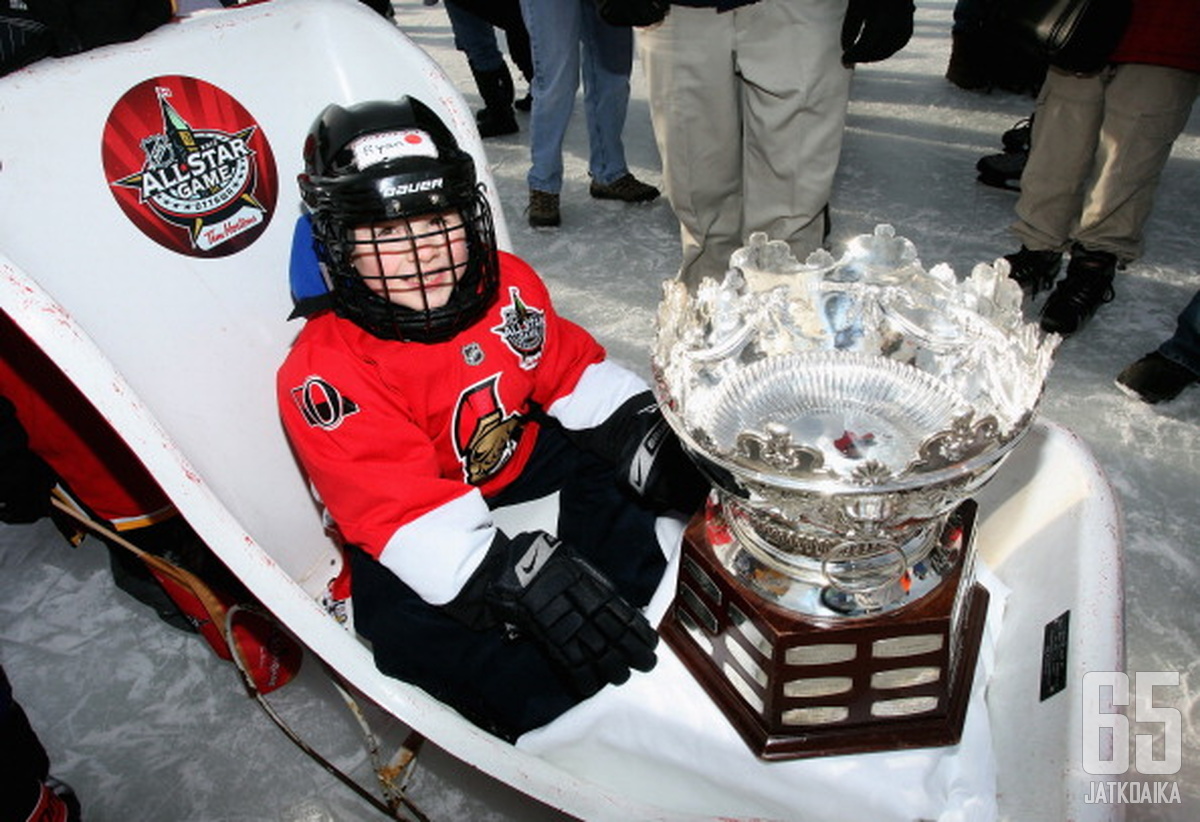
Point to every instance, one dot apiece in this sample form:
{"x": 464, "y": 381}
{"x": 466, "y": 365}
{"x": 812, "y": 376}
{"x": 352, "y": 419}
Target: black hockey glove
{"x": 633, "y": 12}
{"x": 657, "y": 467}
{"x": 874, "y": 30}
{"x": 545, "y": 591}
{"x": 648, "y": 455}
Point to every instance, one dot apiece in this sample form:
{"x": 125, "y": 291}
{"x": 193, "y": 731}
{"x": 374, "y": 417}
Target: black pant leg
{"x": 24, "y": 764}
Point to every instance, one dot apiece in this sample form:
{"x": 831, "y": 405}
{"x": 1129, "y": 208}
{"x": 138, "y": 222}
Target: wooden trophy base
{"x": 797, "y": 686}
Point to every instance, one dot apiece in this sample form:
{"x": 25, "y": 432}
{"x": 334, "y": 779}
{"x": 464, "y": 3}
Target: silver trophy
{"x": 846, "y": 410}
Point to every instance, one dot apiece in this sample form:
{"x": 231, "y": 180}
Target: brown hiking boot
{"x": 628, "y": 189}
{"x": 543, "y": 209}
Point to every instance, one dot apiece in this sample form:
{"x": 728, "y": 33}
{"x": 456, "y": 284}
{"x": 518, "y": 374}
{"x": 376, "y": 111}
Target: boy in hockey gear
{"x": 439, "y": 383}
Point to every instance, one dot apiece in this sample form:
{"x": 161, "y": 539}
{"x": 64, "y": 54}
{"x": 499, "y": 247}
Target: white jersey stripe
{"x": 601, "y": 390}
{"x": 437, "y": 553}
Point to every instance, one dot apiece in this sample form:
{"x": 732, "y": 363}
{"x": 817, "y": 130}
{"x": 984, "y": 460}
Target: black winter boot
{"x": 1002, "y": 170}
{"x": 1087, "y": 286}
{"x": 496, "y": 118}
{"x": 1033, "y": 270}
{"x": 1155, "y": 379}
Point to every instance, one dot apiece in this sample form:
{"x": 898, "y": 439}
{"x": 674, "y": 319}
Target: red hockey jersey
{"x": 66, "y": 431}
{"x": 402, "y": 441}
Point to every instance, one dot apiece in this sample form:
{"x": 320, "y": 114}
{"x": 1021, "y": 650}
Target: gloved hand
{"x": 875, "y": 30}
{"x": 659, "y": 470}
{"x": 648, "y": 455}
{"x": 547, "y": 592}
{"x": 633, "y": 12}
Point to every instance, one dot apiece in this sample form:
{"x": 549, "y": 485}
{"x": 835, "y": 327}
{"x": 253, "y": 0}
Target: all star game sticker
{"x": 523, "y": 329}
{"x": 189, "y": 166}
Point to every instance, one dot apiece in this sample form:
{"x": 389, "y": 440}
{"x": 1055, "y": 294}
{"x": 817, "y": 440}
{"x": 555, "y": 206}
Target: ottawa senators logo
{"x": 485, "y": 435}
{"x": 523, "y": 329}
{"x": 322, "y": 405}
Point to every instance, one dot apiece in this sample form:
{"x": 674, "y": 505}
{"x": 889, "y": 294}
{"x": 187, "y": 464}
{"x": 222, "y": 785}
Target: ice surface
{"x": 148, "y": 725}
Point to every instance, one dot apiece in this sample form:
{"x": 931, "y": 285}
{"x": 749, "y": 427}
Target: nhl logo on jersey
{"x": 523, "y": 329}
{"x": 472, "y": 353}
{"x": 322, "y": 405}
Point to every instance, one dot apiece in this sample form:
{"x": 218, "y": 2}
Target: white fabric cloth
{"x": 662, "y": 739}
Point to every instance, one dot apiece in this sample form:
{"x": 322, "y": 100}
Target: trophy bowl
{"x": 846, "y": 411}
{"x": 843, "y": 408}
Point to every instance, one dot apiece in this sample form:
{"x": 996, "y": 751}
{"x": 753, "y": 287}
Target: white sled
{"x": 173, "y": 326}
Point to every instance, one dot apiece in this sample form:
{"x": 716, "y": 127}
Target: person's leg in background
{"x": 27, "y": 791}
{"x": 506, "y": 15}
{"x": 607, "y": 63}
{"x": 1062, "y": 152}
{"x": 476, "y": 38}
{"x": 695, "y": 108}
{"x": 1162, "y": 374}
{"x": 1144, "y": 110}
{"x": 796, "y": 92}
{"x": 554, "y": 31}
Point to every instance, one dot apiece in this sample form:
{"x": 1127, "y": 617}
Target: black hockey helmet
{"x": 381, "y": 162}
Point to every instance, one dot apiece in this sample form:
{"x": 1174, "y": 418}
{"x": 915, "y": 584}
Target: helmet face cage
{"x": 390, "y": 276}
{"x": 408, "y": 243}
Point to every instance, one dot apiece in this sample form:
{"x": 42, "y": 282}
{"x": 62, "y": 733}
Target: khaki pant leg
{"x": 748, "y": 109}
{"x": 1066, "y": 130}
{"x": 1145, "y": 109}
{"x": 794, "y": 113}
{"x": 695, "y": 109}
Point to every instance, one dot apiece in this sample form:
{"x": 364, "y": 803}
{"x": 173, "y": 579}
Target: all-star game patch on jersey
{"x": 404, "y": 440}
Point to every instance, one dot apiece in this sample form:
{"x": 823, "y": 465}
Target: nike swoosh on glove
{"x": 573, "y": 612}
{"x": 874, "y": 30}
{"x": 543, "y": 590}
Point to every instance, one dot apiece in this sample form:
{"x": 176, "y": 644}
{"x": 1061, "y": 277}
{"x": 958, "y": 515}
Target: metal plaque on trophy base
{"x": 797, "y": 686}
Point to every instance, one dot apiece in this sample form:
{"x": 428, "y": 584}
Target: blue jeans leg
{"x": 607, "y": 64}
{"x": 568, "y": 38}
{"x": 1184, "y": 346}
{"x": 554, "y": 30}
{"x": 476, "y": 38}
